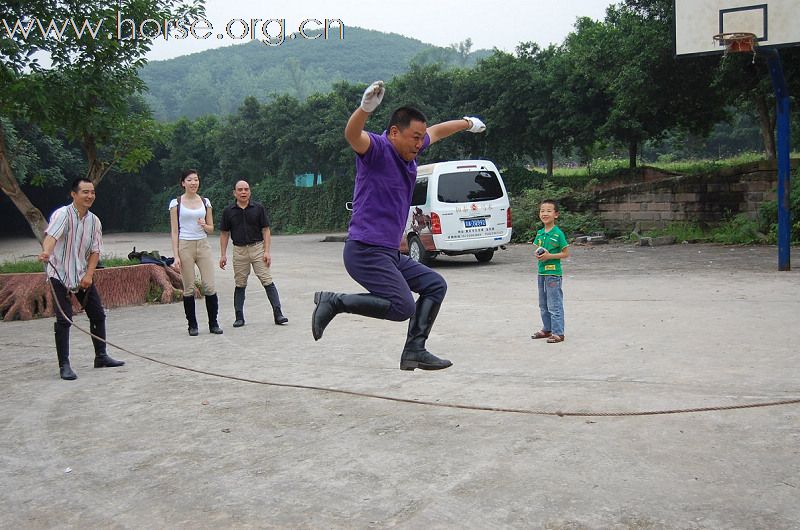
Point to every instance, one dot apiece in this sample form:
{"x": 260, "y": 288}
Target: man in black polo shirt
{"x": 247, "y": 224}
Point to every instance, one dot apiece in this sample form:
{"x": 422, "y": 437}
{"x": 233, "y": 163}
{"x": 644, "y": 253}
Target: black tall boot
{"x": 101, "y": 358}
{"x": 419, "y": 327}
{"x": 191, "y": 315}
{"x": 212, "y": 307}
{"x": 238, "y": 306}
{"x": 328, "y": 305}
{"x": 62, "y": 351}
{"x": 275, "y": 302}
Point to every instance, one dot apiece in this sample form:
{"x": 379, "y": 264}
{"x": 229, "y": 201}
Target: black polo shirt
{"x": 244, "y": 224}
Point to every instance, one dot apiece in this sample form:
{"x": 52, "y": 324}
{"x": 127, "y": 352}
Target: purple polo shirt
{"x": 382, "y": 194}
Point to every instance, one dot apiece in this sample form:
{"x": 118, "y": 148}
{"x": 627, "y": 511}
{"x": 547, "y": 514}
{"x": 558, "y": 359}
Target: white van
{"x": 458, "y": 207}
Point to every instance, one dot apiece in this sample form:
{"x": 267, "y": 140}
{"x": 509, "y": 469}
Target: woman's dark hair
{"x": 188, "y": 172}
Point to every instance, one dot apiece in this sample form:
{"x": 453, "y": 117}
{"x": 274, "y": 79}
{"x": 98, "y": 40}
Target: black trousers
{"x": 88, "y": 298}
{"x": 91, "y": 302}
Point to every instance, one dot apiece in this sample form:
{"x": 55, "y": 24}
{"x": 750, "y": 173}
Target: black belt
{"x": 249, "y": 244}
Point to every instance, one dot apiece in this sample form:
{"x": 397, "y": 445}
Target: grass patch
{"x": 32, "y": 265}
{"x": 736, "y": 230}
{"x": 20, "y": 267}
{"x": 695, "y": 167}
{"x": 118, "y": 262}
{"x": 682, "y": 231}
{"x": 607, "y": 166}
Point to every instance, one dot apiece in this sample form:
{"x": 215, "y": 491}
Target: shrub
{"x": 525, "y": 209}
{"x": 738, "y": 230}
{"x": 768, "y": 214}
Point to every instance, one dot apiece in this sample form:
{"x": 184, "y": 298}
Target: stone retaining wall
{"x": 706, "y": 198}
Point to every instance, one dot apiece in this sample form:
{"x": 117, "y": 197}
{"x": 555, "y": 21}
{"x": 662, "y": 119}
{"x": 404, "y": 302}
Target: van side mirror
{"x": 348, "y": 206}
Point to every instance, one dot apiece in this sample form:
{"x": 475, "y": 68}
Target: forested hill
{"x": 217, "y": 81}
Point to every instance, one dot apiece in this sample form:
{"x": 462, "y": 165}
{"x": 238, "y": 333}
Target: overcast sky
{"x": 489, "y": 23}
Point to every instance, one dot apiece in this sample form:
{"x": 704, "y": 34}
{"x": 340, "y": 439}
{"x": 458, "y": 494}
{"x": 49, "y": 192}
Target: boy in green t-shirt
{"x": 551, "y": 247}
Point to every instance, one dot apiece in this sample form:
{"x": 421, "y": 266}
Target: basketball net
{"x": 737, "y": 42}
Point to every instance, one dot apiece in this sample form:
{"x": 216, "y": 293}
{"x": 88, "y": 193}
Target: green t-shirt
{"x": 554, "y": 242}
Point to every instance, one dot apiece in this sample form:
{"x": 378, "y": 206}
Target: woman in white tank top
{"x": 191, "y": 220}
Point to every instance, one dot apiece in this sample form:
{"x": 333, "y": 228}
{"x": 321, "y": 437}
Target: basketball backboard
{"x": 774, "y": 23}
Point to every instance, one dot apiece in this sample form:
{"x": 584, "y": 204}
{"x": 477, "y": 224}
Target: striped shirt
{"x": 76, "y": 239}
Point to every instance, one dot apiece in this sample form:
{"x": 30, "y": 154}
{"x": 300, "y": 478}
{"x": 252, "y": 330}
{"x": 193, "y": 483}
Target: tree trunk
{"x": 767, "y": 126}
{"x": 9, "y": 185}
{"x": 633, "y": 153}
{"x": 97, "y": 168}
{"x": 549, "y": 156}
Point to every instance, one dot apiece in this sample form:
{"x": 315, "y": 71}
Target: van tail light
{"x": 508, "y": 217}
{"x": 436, "y": 223}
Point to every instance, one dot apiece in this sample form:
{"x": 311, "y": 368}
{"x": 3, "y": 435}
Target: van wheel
{"x": 417, "y": 252}
{"x": 484, "y": 256}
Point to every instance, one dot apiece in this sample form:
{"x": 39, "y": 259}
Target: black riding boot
{"x": 419, "y": 327}
{"x": 101, "y": 358}
{"x": 275, "y": 302}
{"x": 212, "y": 307}
{"x": 62, "y": 351}
{"x": 328, "y": 305}
{"x": 238, "y": 306}
{"x": 191, "y": 315}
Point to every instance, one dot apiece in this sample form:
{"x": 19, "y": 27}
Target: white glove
{"x": 475, "y": 125}
{"x": 372, "y": 97}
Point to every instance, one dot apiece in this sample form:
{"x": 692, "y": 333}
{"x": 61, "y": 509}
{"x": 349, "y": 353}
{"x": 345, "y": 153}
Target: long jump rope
{"x": 483, "y": 408}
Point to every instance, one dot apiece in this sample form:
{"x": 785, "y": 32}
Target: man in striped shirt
{"x": 71, "y": 249}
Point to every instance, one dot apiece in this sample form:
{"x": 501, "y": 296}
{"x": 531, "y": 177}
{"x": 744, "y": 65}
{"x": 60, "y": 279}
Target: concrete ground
{"x": 154, "y": 446}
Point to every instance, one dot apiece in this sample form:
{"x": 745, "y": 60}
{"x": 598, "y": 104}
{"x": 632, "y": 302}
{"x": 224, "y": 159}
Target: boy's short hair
{"x": 549, "y": 201}
{"x": 402, "y": 117}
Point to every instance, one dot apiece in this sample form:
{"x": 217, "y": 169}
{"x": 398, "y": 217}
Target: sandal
{"x": 555, "y": 338}
{"x": 541, "y": 334}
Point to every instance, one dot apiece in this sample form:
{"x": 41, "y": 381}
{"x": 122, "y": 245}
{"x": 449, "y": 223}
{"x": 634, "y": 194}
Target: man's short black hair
{"x": 76, "y": 184}
{"x": 402, "y": 117}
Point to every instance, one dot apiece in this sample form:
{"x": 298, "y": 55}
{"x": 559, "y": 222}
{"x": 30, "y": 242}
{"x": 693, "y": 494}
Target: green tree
{"x": 20, "y": 87}
{"x": 86, "y": 91}
{"x": 745, "y": 82}
{"x": 510, "y": 90}
{"x": 631, "y": 54}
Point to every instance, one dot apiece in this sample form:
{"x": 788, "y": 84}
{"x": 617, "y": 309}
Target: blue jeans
{"x": 551, "y": 304}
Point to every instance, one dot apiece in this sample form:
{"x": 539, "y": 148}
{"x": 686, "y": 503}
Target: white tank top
{"x": 189, "y": 229}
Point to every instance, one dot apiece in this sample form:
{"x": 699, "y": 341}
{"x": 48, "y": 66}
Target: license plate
{"x": 471, "y": 223}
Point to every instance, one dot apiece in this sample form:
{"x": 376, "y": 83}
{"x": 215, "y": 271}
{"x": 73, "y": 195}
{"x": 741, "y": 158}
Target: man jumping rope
{"x": 386, "y": 171}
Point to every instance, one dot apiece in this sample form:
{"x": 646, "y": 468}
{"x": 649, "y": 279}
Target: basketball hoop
{"x": 738, "y": 42}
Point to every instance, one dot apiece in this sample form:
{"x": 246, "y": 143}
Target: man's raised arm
{"x": 446, "y": 128}
{"x": 354, "y": 131}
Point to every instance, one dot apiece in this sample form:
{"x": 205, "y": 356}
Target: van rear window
{"x": 469, "y": 186}
{"x": 420, "y": 196}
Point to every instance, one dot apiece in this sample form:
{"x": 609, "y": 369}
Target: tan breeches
{"x": 246, "y": 257}
{"x": 196, "y": 253}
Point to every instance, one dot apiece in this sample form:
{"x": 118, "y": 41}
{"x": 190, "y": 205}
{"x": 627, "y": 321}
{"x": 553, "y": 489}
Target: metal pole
{"x": 784, "y": 167}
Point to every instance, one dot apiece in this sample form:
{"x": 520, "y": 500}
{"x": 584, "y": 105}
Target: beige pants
{"x": 196, "y": 253}
{"x": 246, "y": 257}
